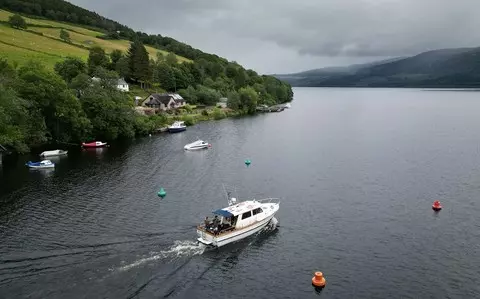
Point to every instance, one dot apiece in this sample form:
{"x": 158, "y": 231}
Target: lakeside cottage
{"x": 222, "y": 103}
{"x": 164, "y": 101}
{"x": 121, "y": 84}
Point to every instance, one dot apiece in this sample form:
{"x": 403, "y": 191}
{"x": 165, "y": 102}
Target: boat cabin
{"x": 237, "y": 216}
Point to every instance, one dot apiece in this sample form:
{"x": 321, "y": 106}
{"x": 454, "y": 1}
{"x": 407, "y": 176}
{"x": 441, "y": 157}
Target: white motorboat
{"x": 197, "y": 145}
{"x": 288, "y": 105}
{"x": 41, "y": 164}
{"x": 178, "y": 126}
{"x": 53, "y": 153}
{"x": 237, "y": 221}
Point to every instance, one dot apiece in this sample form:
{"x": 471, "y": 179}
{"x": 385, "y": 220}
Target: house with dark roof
{"x": 164, "y": 101}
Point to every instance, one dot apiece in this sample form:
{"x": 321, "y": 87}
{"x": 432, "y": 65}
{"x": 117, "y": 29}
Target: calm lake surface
{"x": 357, "y": 171}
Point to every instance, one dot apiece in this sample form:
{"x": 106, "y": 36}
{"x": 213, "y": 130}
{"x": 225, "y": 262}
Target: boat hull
{"x": 196, "y": 148}
{"x": 220, "y": 241}
{"x": 40, "y": 167}
{"x": 92, "y": 145}
{"x": 176, "y": 130}
{"x": 53, "y": 153}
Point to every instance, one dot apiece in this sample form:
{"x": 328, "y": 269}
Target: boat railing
{"x": 269, "y": 200}
{"x": 202, "y": 228}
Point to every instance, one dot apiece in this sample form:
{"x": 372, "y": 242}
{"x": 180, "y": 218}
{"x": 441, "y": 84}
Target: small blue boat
{"x": 177, "y": 126}
{"x": 41, "y": 164}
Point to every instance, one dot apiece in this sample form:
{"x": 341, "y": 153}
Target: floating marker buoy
{"x": 436, "y": 206}
{"x": 248, "y": 162}
{"x": 162, "y": 193}
{"x": 209, "y": 145}
{"x": 318, "y": 280}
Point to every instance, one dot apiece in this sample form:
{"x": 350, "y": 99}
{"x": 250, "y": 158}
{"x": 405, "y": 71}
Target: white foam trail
{"x": 178, "y": 249}
{"x": 272, "y": 225}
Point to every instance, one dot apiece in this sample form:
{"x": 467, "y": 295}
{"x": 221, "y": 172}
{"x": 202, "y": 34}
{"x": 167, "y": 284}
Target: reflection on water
{"x": 42, "y": 172}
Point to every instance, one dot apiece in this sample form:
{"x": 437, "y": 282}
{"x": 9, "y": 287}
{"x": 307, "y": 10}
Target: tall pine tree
{"x": 138, "y": 62}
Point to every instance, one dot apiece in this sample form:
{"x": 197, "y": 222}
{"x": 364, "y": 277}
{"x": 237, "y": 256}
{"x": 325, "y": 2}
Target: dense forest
{"x": 65, "y": 105}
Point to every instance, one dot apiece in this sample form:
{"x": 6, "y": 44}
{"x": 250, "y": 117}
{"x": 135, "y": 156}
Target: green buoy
{"x": 162, "y": 193}
{"x": 248, "y": 162}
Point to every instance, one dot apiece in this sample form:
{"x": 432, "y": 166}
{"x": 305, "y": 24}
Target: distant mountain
{"x": 458, "y": 67}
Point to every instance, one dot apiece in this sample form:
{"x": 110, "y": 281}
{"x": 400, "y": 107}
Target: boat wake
{"x": 178, "y": 249}
{"x": 272, "y": 225}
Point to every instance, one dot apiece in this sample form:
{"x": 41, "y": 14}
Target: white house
{"x": 122, "y": 85}
{"x": 222, "y": 103}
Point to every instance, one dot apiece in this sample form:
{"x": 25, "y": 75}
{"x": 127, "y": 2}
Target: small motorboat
{"x": 94, "y": 144}
{"x": 237, "y": 221}
{"x": 288, "y": 105}
{"x": 53, "y": 153}
{"x": 41, "y": 164}
{"x": 177, "y": 126}
{"x": 197, "y": 145}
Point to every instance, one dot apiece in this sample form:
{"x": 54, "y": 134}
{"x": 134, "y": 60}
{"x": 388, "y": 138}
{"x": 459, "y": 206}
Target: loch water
{"x": 356, "y": 170}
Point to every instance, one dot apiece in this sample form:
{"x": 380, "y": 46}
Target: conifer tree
{"x": 138, "y": 62}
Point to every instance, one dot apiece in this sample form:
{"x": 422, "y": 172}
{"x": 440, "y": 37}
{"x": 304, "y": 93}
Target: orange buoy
{"x": 437, "y": 206}
{"x": 318, "y": 280}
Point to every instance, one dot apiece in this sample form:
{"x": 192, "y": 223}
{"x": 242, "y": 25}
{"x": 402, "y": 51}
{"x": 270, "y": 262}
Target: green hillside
{"x": 42, "y": 41}
{"x": 47, "y": 94}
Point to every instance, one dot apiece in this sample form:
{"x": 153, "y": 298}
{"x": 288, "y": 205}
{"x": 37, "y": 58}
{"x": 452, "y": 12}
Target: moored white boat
{"x": 177, "y": 126}
{"x": 197, "y": 145}
{"x": 53, "y": 153}
{"x": 41, "y": 164}
{"x": 288, "y": 105}
{"x": 237, "y": 221}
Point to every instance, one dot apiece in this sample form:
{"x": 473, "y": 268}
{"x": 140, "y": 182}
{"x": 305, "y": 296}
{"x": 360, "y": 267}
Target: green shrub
{"x": 218, "y": 114}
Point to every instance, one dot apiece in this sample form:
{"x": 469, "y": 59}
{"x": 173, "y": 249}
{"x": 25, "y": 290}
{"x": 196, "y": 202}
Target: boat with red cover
{"x": 94, "y": 144}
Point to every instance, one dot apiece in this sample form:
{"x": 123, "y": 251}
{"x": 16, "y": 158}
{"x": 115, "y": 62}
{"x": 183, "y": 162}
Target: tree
{"x": 48, "y": 93}
{"x": 80, "y": 83}
{"x": 122, "y": 67}
{"x": 96, "y": 58}
{"x": 165, "y": 76}
{"x": 14, "y": 121}
{"x": 115, "y": 56}
{"x": 70, "y": 68}
{"x": 248, "y": 99}
{"x": 17, "y": 21}
{"x": 139, "y": 62}
{"x": 109, "y": 111}
{"x": 65, "y": 36}
{"x": 160, "y": 57}
{"x": 231, "y": 71}
{"x": 171, "y": 59}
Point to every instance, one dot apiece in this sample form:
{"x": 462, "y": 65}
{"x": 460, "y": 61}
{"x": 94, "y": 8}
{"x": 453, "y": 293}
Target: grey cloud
{"x": 305, "y": 29}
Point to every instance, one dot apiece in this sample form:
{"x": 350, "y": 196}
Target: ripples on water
{"x": 357, "y": 171}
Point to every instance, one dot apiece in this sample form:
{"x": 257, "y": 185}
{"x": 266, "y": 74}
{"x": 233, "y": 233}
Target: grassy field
{"x": 22, "y": 55}
{"x": 26, "y": 40}
{"x": 50, "y": 49}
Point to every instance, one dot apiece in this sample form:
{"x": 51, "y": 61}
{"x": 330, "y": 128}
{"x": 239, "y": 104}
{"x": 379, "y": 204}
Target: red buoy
{"x": 436, "y": 206}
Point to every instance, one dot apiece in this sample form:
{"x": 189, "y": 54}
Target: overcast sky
{"x": 283, "y": 36}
